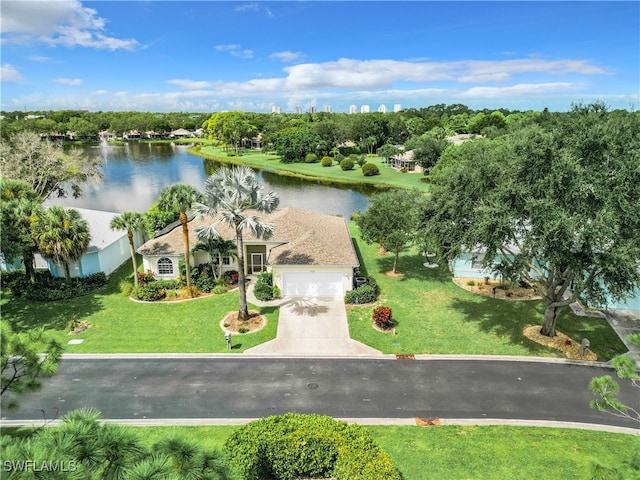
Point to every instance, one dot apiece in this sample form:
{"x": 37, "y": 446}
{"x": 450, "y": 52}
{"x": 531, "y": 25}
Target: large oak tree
{"x": 555, "y": 205}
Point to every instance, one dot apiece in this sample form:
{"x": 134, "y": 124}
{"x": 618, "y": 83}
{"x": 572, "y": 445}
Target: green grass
{"x": 436, "y": 316}
{"x": 464, "y": 452}
{"x": 388, "y": 178}
{"x": 120, "y": 325}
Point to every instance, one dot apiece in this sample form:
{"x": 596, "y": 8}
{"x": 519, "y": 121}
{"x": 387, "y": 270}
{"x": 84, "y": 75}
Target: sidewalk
{"x": 624, "y": 322}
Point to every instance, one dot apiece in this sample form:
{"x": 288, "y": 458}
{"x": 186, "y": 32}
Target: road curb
{"x": 193, "y": 422}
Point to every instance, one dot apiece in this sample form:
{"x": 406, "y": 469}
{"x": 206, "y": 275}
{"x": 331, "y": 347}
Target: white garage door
{"x": 312, "y": 284}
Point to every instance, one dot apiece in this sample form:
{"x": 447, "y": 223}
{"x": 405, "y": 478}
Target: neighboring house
{"x": 106, "y": 135}
{"x": 254, "y": 143}
{"x": 309, "y": 254}
{"x": 469, "y": 265}
{"x": 405, "y": 160}
{"x": 108, "y": 249}
{"x": 180, "y": 133}
{"x": 132, "y": 135}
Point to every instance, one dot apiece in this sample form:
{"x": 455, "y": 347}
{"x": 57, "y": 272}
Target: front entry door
{"x": 257, "y": 262}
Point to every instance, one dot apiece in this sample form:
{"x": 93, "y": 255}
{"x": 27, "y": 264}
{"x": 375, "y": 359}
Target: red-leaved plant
{"x": 382, "y": 317}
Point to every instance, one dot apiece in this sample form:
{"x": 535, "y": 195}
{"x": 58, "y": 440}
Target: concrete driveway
{"x": 313, "y": 327}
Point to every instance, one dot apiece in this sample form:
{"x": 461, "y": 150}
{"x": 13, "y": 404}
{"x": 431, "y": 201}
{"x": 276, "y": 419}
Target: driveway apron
{"x": 313, "y": 327}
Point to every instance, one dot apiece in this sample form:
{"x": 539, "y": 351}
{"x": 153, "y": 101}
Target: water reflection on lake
{"x": 134, "y": 175}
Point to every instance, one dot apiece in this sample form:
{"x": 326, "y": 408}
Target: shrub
{"x": 363, "y": 294}
{"x": 347, "y": 164}
{"x": 156, "y": 290}
{"x": 471, "y": 283}
{"x": 47, "y": 288}
{"x": 382, "y": 317}
{"x": 311, "y": 158}
{"x": 303, "y": 446}
{"x": 219, "y": 289}
{"x": 370, "y": 169}
{"x": 338, "y": 157}
{"x": 263, "y": 289}
{"x": 125, "y": 288}
{"x": 326, "y": 161}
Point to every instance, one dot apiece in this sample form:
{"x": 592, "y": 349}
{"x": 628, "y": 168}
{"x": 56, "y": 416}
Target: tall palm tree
{"x": 231, "y": 192}
{"x": 62, "y": 236}
{"x": 181, "y": 197}
{"x": 131, "y": 222}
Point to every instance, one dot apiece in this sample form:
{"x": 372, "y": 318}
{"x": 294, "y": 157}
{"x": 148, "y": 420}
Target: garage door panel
{"x": 312, "y": 284}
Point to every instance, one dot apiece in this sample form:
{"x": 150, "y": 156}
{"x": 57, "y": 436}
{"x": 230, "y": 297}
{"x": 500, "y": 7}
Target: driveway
{"x": 314, "y": 327}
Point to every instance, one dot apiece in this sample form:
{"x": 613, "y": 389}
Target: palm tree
{"x": 20, "y": 207}
{"x": 218, "y": 248}
{"x": 180, "y": 197}
{"x": 232, "y": 192}
{"x": 131, "y": 222}
{"x": 62, "y": 236}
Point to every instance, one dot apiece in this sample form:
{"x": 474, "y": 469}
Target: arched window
{"x": 165, "y": 266}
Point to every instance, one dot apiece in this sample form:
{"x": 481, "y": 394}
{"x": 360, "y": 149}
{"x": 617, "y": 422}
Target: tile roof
{"x": 300, "y": 237}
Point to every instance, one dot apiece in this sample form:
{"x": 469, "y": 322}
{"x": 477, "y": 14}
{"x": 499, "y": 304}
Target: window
{"x": 226, "y": 260}
{"x": 165, "y": 266}
{"x": 476, "y": 262}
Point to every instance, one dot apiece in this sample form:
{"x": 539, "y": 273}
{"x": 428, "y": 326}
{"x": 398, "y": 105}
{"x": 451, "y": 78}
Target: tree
{"x": 217, "y": 248}
{"x": 45, "y": 165}
{"x": 181, "y": 197}
{"x": 426, "y": 150}
{"x": 131, "y": 222}
{"x": 24, "y": 359}
{"x": 553, "y": 205}
{"x": 293, "y": 143}
{"x": 607, "y": 388}
{"x": 230, "y": 128}
{"x": 20, "y": 208}
{"x": 62, "y": 236}
{"x": 85, "y": 447}
{"x": 391, "y": 221}
{"x": 387, "y": 151}
{"x": 236, "y": 195}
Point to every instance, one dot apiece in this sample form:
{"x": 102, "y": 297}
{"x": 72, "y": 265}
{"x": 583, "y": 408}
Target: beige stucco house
{"x": 310, "y": 254}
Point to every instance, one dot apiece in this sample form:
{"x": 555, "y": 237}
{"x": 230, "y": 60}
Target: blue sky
{"x": 213, "y": 56}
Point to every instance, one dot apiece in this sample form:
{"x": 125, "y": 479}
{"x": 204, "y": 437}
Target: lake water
{"x": 134, "y": 175}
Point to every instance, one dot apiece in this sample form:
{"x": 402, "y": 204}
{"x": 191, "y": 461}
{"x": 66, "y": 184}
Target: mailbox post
{"x": 227, "y": 337}
{"x": 584, "y": 346}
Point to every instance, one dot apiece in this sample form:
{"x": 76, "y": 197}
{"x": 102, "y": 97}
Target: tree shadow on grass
{"x": 22, "y": 315}
{"x": 505, "y": 319}
{"x": 412, "y": 267}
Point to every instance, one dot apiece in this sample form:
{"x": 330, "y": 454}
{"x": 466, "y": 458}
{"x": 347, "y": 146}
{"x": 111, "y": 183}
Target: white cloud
{"x": 68, "y": 81}
{"x": 58, "y": 22}
{"x": 287, "y": 56}
{"x": 235, "y": 50}
{"x": 520, "y": 90}
{"x": 190, "y": 84}
{"x": 101, "y": 92}
{"x": 40, "y": 59}
{"x": 253, "y": 7}
{"x": 9, "y": 73}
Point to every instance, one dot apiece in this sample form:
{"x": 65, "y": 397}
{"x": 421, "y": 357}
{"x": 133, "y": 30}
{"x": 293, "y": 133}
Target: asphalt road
{"x": 232, "y": 387}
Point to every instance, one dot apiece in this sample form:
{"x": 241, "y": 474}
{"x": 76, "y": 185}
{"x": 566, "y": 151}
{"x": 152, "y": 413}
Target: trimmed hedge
{"x": 326, "y": 161}
{"x": 263, "y": 289}
{"x": 366, "y": 293}
{"x": 47, "y": 288}
{"x": 347, "y": 164}
{"x": 301, "y": 446}
{"x": 370, "y": 169}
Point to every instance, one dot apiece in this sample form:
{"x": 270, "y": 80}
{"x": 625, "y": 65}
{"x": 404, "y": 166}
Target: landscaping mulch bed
{"x": 493, "y": 289}
{"x": 231, "y": 323}
{"x": 561, "y": 342}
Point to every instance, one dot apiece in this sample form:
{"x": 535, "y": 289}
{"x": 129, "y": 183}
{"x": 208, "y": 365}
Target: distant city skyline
{"x": 204, "y": 56}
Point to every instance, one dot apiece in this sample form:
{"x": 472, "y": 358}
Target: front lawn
{"x": 120, "y": 325}
{"x": 388, "y": 177}
{"x": 464, "y": 452}
{"x": 436, "y": 316}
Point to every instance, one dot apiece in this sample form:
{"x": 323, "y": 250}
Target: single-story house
{"x": 131, "y": 135}
{"x": 181, "y": 133}
{"x": 309, "y": 254}
{"x": 405, "y": 160}
{"x": 108, "y": 249}
{"x": 469, "y": 265}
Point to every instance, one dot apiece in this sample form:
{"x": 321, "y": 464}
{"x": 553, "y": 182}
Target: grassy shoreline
{"x": 334, "y": 175}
